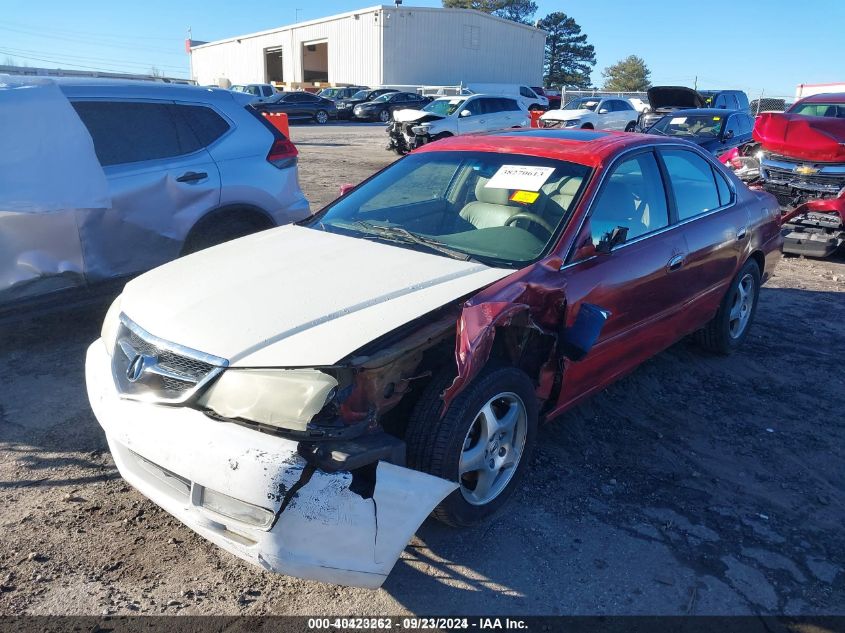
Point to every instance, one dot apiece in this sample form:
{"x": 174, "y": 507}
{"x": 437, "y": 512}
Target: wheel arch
{"x": 760, "y": 258}
{"x": 240, "y": 210}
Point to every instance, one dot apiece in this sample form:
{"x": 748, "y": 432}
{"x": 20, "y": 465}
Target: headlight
{"x": 284, "y": 398}
{"x": 421, "y": 129}
{"x": 572, "y": 123}
{"x": 111, "y": 325}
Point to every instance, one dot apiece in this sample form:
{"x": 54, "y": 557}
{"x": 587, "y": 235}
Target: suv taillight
{"x": 282, "y": 154}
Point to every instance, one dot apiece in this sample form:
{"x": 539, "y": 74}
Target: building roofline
{"x": 370, "y": 9}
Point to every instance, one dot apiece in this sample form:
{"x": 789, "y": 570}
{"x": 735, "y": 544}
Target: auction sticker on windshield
{"x": 678, "y": 120}
{"x": 520, "y": 177}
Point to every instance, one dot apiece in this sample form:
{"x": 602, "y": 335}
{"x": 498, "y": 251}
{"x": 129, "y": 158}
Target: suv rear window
{"x": 206, "y": 124}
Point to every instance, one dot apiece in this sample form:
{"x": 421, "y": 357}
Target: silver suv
{"x": 185, "y": 168}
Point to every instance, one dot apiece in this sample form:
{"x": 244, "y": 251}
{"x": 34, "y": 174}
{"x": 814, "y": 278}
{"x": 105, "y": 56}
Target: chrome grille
{"x": 836, "y": 181}
{"x": 146, "y": 367}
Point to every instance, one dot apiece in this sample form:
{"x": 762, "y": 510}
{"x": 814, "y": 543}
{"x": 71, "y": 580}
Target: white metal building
{"x": 380, "y": 45}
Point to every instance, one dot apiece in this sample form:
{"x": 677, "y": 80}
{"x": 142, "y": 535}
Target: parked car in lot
{"x": 382, "y": 107}
{"x": 600, "y": 113}
{"x": 335, "y": 94}
{"x": 346, "y": 106}
{"x": 725, "y": 99}
{"x": 439, "y": 311}
{"x": 716, "y": 131}
{"x": 803, "y": 165}
{"x": 260, "y": 91}
{"x": 663, "y": 100}
{"x": 300, "y": 106}
{"x": 526, "y": 96}
{"x": 451, "y": 116}
{"x": 178, "y": 168}
{"x": 554, "y": 98}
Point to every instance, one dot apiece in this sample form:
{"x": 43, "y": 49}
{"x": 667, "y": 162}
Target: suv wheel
{"x": 483, "y": 442}
{"x": 631, "y": 127}
{"x": 730, "y": 326}
{"x": 321, "y": 117}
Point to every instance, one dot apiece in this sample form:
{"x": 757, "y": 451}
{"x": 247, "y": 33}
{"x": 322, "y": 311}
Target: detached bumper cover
{"x": 320, "y": 529}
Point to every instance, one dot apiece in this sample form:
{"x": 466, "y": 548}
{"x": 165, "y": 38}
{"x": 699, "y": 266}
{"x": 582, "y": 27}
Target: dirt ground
{"x": 697, "y": 485}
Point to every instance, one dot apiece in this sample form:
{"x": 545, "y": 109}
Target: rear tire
{"x": 224, "y": 227}
{"x": 484, "y": 442}
{"x": 384, "y": 116}
{"x": 321, "y": 117}
{"x": 728, "y": 329}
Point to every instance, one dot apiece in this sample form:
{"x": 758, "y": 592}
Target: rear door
{"x": 635, "y": 282}
{"x": 161, "y": 180}
{"x": 715, "y": 229}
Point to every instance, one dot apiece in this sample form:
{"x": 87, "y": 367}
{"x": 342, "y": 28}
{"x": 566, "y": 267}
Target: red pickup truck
{"x": 803, "y": 165}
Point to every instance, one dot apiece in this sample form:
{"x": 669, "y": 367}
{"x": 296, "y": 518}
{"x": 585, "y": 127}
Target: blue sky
{"x": 755, "y": 46}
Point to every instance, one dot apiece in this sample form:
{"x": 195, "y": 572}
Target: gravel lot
{"x": 698, "y": 484}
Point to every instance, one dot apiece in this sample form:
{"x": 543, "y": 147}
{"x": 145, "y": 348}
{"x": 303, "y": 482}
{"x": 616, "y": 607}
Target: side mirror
{"x": 604, "y": 111}
{"x": 346, "y": 188}
{"x": 612, "y": 240}
{"x": 466, "y": 113}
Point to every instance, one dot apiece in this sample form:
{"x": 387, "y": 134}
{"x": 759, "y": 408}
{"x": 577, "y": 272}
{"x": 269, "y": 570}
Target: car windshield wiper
{"x": 404, "y": 235}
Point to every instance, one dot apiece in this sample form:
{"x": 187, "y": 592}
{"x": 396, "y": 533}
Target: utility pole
{"x": 695, "y": 83}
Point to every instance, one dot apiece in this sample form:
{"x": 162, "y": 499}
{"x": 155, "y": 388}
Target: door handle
{"x": 675, "y": 263}
{"x": 192, "y": 176}
{"x": 741, "y": 233}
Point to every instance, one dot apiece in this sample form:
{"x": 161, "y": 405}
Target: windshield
{"x": 707, "y": 125}
{"x": 832, "y": 110}
{"x": 501, "y": 209}
{"x": 582, "y": 104}
{"x": 444, "y": 107}
{"x": 361, "y": 94}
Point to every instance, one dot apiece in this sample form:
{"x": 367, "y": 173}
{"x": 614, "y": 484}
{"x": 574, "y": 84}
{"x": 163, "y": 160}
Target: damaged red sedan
{"x": 306, "y": 396}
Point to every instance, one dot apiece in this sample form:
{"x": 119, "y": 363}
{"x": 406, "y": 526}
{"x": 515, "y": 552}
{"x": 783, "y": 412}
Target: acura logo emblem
{"x": 138, "y": 366}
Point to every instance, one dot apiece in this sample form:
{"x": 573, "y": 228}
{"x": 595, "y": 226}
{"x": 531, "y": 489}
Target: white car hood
{"x": 295, "y": 297}
{"x": 566, "y": 115}
{"x": 406, "y": 116}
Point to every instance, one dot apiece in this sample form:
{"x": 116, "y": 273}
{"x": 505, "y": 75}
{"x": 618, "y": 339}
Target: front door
{"x": 635, "y": 281}
{"x": 160, "y": 180}
{"x": 475, "y": 121}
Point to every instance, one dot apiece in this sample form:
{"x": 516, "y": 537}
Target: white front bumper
{"x": 326, "y": 532}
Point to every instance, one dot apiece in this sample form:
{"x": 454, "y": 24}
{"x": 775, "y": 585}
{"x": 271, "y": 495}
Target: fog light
{"x": 235, "y": 509}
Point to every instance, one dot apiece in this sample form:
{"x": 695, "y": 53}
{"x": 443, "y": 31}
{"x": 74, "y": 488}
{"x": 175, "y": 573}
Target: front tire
{"x": 730, "y": 326}
{"x": 484, "y": 442}
{"x": 384, "y": 116}
{"x": 631, "y": 127}
{"x": 587, "y": 126}
{"x": 321, "y": 117}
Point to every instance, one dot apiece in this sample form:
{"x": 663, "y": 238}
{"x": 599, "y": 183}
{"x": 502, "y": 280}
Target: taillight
{"x": 282, "y": 154}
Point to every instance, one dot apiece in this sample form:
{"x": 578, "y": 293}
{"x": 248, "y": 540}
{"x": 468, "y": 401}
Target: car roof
{"x": 95, "y": 87}
{"x": 585, "y": 147}
{"x": 825, "y": 97}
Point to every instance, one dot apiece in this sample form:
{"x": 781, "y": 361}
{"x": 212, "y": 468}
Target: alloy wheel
{"x": 743, "y": 302}
{"x": 492, "y": 448}
{"x": 321, "y": 116}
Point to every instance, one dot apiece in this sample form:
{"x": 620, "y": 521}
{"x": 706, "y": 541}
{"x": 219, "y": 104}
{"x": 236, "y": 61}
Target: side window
{"x": 490, "y": 106}
{"x": 307, "y": 97}
{"x": 511, "y": 105}
{"x": 475, "y": 107}
{"x": 624, "y": 106}
{"x": 725, "y": 193}
{"x": 747, "y": 123}
{"x": 692, "y": 182}
{"x": 525, "y": 92}
{"x": 127, "y": 132}
{"x": 206, "y": 125}
{"x": 733, "y": 125}
{"x": 632, "y": 197}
